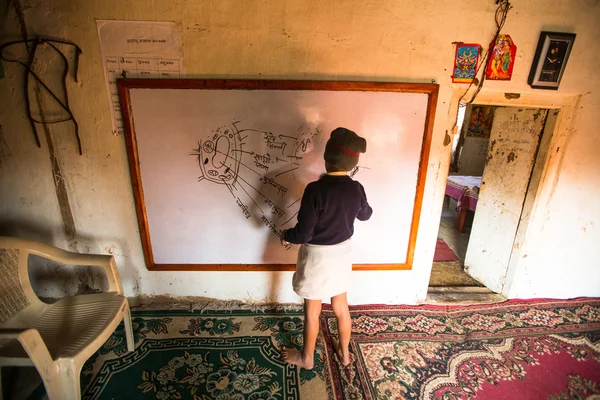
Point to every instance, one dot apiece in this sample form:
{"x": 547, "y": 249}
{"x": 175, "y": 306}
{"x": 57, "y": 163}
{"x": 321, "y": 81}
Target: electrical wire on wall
{"x": 504, "y": 7}
{"x": 28, "y": 65}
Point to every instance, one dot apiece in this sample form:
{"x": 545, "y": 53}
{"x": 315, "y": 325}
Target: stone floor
{"x": 449, "y": 283}
{"x": 452, "y": 273}
{"x": 458, "y": 241}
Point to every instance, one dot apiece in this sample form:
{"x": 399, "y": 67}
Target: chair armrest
{"x": 34, "y": 346}
{"x": 105, "y": 261}
{"x": 69, "y": 258}
{"x": 12, "y": 333}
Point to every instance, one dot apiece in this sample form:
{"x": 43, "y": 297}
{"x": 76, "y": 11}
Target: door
{"x": 513, "y": 145}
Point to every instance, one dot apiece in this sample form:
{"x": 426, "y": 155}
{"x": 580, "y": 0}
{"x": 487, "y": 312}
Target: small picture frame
{"x": 480, "y": 121}
{"x": 502, "y": 59}
{"x": 465, "y": 62}
{"x": 550, "y": 60}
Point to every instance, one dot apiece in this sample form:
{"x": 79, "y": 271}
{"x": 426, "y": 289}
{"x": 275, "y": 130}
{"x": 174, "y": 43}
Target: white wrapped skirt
{"x": 323, "y": 271}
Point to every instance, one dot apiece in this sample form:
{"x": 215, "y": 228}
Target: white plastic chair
{"x": 56, "y": 338}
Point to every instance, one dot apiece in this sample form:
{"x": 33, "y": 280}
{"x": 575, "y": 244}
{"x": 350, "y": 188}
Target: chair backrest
{"x": 12, "y": 294}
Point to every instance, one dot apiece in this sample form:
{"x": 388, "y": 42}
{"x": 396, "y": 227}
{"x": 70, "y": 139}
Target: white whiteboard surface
{"x": 223, "y": 170}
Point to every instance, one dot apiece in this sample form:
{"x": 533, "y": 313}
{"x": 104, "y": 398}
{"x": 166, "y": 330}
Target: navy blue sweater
{"x": 328, "y": 210}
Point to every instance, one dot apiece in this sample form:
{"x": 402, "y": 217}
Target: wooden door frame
{"x": 568, "y": 104}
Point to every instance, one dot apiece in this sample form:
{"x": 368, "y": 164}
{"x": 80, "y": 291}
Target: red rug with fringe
{"x": 534, "y": 349}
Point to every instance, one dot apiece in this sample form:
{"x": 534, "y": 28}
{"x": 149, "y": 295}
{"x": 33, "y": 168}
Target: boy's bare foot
{"x": 294, "y": 357}
{"x": 344, "y": 358}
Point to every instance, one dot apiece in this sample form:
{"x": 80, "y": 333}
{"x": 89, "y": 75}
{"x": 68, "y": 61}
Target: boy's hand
{"x": 282, "y": 238}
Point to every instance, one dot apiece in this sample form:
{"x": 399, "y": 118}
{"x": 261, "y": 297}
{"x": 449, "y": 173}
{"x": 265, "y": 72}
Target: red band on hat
{"x": 337, "y": 146}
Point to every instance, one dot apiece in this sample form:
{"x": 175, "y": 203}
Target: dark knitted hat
{"x": 343, "y": 148}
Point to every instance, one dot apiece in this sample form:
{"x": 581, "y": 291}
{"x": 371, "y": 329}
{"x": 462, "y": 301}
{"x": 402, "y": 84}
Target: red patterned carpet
{"x": 538, "y": 349}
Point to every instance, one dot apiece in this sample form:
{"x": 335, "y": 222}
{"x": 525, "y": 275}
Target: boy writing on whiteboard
{"x": 324, "y": 230}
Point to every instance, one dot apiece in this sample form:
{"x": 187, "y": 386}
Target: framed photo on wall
{"x": 550, "y": 60}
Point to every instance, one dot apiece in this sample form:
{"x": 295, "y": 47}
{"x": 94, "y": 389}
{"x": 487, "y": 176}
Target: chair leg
{"x": 65, "y": 385}
{"x": 128, "y": 330}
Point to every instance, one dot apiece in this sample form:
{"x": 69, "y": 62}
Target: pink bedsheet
{"x": 462, "y": 188}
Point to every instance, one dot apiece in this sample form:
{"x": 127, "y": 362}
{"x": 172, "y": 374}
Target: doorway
{"x": 496, "y": 163}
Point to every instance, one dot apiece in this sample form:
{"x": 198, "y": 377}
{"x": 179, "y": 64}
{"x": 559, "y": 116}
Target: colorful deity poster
{"x": 465, "y": 62}
{"x": 502, "y": 59}
{"x": 480, "y": 121}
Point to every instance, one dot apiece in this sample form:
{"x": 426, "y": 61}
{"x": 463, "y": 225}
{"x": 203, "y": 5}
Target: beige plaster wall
{"x": 378, "y": 40}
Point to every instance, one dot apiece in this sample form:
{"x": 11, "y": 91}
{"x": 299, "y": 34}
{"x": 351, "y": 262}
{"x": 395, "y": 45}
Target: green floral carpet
{"x": 216, "y": 355}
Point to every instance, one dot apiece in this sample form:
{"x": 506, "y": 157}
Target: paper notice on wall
{"x": 138, "y": 49}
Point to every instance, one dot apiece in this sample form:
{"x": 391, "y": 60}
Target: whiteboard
{"x": 222, "y": 171}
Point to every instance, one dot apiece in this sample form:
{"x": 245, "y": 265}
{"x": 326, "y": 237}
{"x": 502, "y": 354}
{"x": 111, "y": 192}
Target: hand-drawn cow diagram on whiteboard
{"x": 224, "y": 159}
{"x": 216, "y": 157}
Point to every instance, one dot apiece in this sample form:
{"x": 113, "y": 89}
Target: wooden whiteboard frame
{"x": 125, "y": 85}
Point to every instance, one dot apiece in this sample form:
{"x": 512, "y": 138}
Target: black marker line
{"x": 294, "y": 202}
{"x": 228, "y": 187}
{"x": 292, "y": 171}
{"x": 257, "y": 191}
{"x": 198, "y": 151}
{"x": 285, "y": 136}
{"x": 285, "y": 172}
{"x": 238, "y": 176}
{"x": 238, "y": 161}
{"x": 289, "y": 219}
{"x": 251, "y": 198}
{"x": 242, "y": 151}
{"x": 277, "y": 159}
{"x": 296, "y": 152}
{"x": 252, "y": 130}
